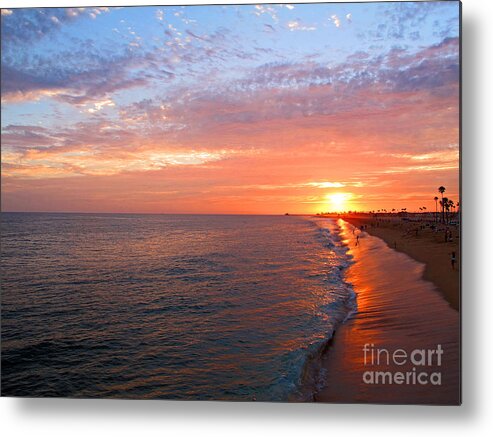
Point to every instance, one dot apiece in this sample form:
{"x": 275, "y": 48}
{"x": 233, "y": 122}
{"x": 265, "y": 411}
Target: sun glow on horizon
{"x": 338, "y": 201}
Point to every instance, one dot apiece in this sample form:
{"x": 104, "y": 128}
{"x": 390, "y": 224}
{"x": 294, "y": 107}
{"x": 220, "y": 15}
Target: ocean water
{"x": 169, "y": 306}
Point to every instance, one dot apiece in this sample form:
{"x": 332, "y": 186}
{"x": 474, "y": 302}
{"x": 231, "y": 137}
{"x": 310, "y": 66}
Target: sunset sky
{"x": 230, "y": 109}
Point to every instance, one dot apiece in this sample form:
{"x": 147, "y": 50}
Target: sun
{"x": 338, "y": 201}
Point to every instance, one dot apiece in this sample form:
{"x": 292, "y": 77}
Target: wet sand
{"x": 397, "y": 309}
{"x": 425, "y": 246}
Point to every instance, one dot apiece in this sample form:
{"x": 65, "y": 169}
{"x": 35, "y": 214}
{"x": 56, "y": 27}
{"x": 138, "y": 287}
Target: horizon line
{"x": 150, "y": 213}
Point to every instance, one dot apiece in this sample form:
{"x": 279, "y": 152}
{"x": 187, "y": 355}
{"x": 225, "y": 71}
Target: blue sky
{"x": 243, "y": 37}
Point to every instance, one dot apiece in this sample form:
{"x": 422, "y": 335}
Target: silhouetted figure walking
{"x": 452, "y": 260}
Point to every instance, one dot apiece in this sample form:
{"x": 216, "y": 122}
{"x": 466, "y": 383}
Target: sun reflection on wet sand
{"x": 397, "y": 309}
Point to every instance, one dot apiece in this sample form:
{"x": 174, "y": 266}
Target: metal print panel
{"x": 239, "y": 202}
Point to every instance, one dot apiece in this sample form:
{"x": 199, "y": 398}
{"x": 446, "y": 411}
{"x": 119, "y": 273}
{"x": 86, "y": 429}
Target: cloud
{"x": 29, "y": 25}
{"x": 349, "y": 18}
{"x": 75, "y": 84}
{"x": 346, "y": 99}
{"x": 325, "y": 184}
{"x": 99, "y": 105}
{"x": 94, "y": 148}
{"x": 19, "y": 86}
{"x": 260, "y": 10}
{"x": 400, "y": 21}
{"x": 307, "y": 92}
{"x": 335, "y": 20}
{"x": 6, "y": 12}
{"x": 94, "y": 70}
{"x": 275, "y": 107}
{"x": 21, "y": 137}
{"x": 296, "y": 25}
{"x": 445, "y": 159}
{"x": 56, "y": 163}
{"x": 94, "y": 12}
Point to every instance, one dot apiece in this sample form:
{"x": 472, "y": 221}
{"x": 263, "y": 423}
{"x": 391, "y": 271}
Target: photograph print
{"x": 256, "y": 202}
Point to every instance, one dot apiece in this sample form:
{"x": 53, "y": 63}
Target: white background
{"x": 55, "y": 417}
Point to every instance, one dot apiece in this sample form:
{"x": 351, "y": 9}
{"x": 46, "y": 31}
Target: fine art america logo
{"x": 419, "y": 366}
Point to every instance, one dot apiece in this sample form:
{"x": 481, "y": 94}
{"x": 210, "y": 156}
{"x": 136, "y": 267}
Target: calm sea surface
{"x": 168, "y": 306}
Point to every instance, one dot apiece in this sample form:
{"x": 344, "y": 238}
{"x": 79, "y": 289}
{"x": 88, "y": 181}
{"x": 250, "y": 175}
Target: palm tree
{"x": 445, "y": 208}
{"x": 436, "y": 209}
{"x": 441, "y": 190}
{"x": 451, "y": 205}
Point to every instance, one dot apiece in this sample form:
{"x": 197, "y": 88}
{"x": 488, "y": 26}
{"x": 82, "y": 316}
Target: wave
{"x": 338, "y": 312}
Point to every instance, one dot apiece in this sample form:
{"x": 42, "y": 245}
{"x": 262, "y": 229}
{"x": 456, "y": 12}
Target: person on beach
{"x": 448, "y": 235}
{"x": 452, "y": 260}
{"x": 357, "y": 240}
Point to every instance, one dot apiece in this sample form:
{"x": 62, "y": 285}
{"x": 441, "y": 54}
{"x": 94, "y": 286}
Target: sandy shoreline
{"x": 425, "y": 246}
{"x": 397, "y": 310}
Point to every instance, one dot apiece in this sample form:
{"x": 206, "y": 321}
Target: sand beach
{"x": 400, "y": 314}
{"x": 424, "y": 244}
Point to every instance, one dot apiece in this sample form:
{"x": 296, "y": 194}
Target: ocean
{"x": 169, "y": 306}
